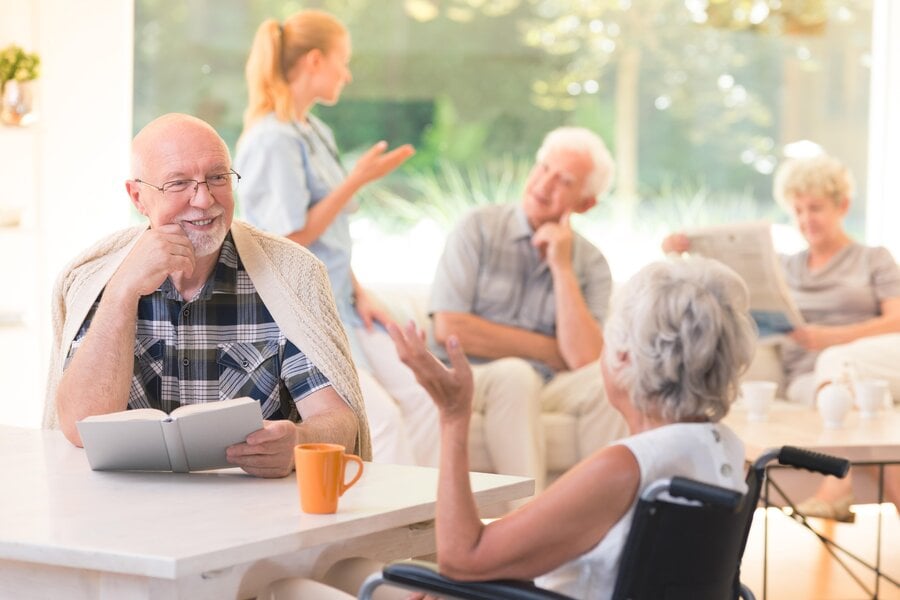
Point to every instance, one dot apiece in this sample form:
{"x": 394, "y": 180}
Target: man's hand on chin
{"x": 553, "y": 241}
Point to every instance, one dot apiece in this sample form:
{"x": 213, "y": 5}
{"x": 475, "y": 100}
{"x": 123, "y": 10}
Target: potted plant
{"x": 17, "y": 69}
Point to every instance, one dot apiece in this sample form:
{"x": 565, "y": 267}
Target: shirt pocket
{"x": 497, "y": 296}
{"x": 249, "y": 369}
{"x": 148, "y": 357}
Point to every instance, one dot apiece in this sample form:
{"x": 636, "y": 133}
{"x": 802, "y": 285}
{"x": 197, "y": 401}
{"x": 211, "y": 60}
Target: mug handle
{"x": 359, "y": 471}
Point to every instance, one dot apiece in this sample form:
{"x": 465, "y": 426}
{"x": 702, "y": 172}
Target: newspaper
{"x": 747, "y": 248}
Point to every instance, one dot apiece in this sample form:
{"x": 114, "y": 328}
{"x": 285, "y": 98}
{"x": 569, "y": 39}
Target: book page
{"x": 208, "y": 429}
{"x": 193, "y": 437}
{"x": 190, "y": 409}
{"x": 145, "y": 414}
{"x": 113, "y": 444}
{"x": 747, "y": 248}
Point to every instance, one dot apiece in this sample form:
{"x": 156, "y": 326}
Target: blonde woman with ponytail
{"x": 295, "y": 185}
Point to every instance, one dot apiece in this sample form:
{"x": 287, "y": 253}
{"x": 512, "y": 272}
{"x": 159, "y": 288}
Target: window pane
{"x": 697, "y": 104}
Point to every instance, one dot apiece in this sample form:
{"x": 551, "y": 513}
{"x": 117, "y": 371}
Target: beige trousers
{"x": 511, "y": 396}
{"x": 341, "y": 582}
{"x": 507, "y": 395}
{"x": 580, "y": 393}
{"x": 876, "y": 357}
{"x": 302, "y": 589}
{"x": 403, "y": 420}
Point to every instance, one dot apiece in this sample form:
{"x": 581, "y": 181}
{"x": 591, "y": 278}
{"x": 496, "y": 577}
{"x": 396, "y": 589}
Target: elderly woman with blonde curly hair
{"x": 677, "y": 340}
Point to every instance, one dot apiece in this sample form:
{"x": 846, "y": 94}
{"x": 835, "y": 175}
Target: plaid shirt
{"x": 222, "y": 344}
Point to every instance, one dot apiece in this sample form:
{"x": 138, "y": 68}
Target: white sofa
{"x": 409, "y": 301}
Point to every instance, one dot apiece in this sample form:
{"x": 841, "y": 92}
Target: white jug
{"x": 834, "y": 402}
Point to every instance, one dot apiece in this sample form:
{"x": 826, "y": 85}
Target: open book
{"x": 193, "y": 438}
{"x": 747, "y": 248}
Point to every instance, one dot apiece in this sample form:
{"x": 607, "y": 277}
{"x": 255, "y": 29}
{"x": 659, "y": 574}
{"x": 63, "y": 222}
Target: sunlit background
{"x": 699, "y": 101}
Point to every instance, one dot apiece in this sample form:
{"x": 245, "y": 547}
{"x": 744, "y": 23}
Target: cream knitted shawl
{"x": 292, "y": 283}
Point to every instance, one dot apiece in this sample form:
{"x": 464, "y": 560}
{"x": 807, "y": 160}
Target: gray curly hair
{"x": 678, "y": 338}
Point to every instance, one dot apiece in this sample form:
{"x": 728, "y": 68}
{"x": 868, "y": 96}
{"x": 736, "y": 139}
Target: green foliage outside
{"x": 696, "y": 115}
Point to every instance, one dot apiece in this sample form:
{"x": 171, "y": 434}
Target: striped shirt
{"x": 222, "y": 344}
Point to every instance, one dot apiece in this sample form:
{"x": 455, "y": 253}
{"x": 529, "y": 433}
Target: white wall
{"x": 68, "y": 168}
{"x": 86, "y": 93}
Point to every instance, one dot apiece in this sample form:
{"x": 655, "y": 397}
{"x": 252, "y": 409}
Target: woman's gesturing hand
{"x": 377, "y": 162}
{"x": 451, "y": 389}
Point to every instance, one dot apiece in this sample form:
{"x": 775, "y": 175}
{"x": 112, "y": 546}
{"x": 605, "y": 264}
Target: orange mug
{"x": 320, "y": 475}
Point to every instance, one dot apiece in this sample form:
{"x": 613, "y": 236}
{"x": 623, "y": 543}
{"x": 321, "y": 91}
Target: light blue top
{"x": 286, "y": 168}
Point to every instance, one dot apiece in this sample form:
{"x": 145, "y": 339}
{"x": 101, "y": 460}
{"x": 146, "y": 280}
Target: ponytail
{"x": 275, "y": 50}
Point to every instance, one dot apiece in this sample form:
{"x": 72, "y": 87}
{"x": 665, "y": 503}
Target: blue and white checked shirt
{"x": 222, "y": 344}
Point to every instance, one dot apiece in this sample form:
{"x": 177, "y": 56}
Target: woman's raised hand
{"x": 377, "y": 162}
{"x": 451, "y": 389}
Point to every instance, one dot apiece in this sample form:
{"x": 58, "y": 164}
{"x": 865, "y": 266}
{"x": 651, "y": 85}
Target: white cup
{"x": 870, "y": 396}
{"x": 834, "y": 402}
{"x": 758, "y": 396}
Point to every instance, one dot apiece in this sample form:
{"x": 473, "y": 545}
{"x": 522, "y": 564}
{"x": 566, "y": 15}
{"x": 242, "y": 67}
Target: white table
{"x": 859, "y": 440}
{"x": 69, "y": 532}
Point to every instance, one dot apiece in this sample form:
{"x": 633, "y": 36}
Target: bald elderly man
{"x": 195, "y": 307}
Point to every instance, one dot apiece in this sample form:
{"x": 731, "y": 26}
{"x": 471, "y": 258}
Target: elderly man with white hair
{"x": 526, "y": 296}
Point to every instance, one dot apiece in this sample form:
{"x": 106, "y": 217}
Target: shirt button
{"x": 725, "y": 470}
{"x": 716, "y": 435}
{"x": 245, "y": 363}
{"x": 185, "y": 361}
{"x": 186, "y": 312}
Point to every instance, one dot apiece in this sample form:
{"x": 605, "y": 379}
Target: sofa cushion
{"x": 560, "y": 437}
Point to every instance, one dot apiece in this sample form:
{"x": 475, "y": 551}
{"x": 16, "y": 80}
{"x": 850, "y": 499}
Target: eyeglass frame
{"x": 162, "y": 188}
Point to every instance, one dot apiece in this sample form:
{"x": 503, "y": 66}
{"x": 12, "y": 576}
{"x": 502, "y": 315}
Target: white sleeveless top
{"x": 708, "y": 452}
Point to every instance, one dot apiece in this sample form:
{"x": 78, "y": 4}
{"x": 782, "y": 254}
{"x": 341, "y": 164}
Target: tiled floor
{"x": 800, "y": 568}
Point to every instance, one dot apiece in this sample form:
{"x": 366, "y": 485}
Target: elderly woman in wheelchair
{"x": 678, "y": 337}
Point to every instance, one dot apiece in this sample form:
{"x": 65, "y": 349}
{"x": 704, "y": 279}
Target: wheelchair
{"x": 675, "y": 550}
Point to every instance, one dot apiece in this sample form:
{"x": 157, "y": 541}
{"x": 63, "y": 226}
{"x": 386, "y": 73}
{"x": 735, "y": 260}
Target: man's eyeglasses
{"x": 184, "y": 190}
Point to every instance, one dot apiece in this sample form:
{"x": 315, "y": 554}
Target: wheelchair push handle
{"x": 690, "y": 489}
{"x": 813, "y": 461}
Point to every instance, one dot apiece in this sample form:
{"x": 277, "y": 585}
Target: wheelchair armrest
{"x": 424, "y": 576}
{"x": 813, "y": 461}
{"x": 690, "y": 489}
